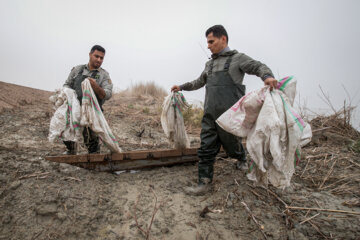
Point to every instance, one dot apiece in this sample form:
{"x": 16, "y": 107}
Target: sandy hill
{"x": 46, "y": 200}
{"x": 12, "y": 95}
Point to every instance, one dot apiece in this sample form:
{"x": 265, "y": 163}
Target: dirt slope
{"x": 45, "y": 200}
{"x": 12, "y": 95}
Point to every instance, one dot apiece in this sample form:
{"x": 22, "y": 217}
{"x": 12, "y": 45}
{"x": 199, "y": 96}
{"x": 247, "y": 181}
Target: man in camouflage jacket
{"x": 101, "y": 84}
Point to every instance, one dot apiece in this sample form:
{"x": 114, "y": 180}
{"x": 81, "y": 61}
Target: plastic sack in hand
{"x": 172, "y": 120}
{"x": 276, "y": 134}
{"x": 92, "y": 116}
{"x": 241, "y": 117}
{"x": 65, "y": 122}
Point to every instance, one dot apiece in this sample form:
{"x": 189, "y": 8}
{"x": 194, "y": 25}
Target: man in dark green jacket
{"x": 223, "y": 76}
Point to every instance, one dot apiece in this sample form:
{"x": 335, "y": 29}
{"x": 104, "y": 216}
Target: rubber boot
{"x": 206, "y": 172}
{"x": 200, "y": 189}
{"x": 70, "y": 148}
{"x": 91, "y": 140}
{"x": 242, "y": 165}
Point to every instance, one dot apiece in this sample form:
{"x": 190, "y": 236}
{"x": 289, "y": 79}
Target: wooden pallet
{"x": 129, "y": 160}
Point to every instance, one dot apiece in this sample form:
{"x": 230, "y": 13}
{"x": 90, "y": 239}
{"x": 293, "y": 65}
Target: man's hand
{"x": 272, "y": 82}
{"x": 93, "y": 83}
{"x": 97, "y": 89}
{"x": 175, "y": 88}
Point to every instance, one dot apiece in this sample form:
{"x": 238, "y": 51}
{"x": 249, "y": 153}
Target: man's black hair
{"x": 218, "y": 31}
{"x": 97, "y": 47}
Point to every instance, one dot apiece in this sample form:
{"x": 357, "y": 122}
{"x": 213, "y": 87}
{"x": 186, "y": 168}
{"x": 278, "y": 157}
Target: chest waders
{"x": 221, "y": 94}
{"x": 90, "y": 138}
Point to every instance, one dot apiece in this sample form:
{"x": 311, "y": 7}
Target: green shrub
{"x": 193, "y": 116}
{"x": 146, "y": 110}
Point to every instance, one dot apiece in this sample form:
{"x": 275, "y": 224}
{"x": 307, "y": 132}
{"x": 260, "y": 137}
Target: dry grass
{"x": 331, "y": 160}
{"x": 144, "y": 91}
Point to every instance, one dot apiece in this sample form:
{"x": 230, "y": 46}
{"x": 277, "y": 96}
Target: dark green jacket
{"x": 240, "y": 65}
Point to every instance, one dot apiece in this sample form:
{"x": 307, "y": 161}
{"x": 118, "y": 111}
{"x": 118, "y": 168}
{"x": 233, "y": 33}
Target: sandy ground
{"x": 46, "y": 200}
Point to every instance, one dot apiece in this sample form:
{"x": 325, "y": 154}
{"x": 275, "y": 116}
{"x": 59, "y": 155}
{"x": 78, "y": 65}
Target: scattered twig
{"x": 308, "y": 219}
{"x": 328, "y": 174}
{"x": 326, "y": 99}
{"x": 260, "y": 227}
{"x": 156, "y": 208}
{"x": 236, "y": 182}
{"x": 37, "y": 175}
{"x": 73, "y": 178}
{"x": 352, "y": 162}
{"x": 255, "y": 193}
{"x": 139, "y": 134}
{"x": 305, "y": 168}
{"x": 276, "y": 196}
{"x": 207, "y": 210}
{"x": 323, "y": 210}
{"x": 317, "y": 229}
{"x": 191, "y": 224}
{"x": 351, "y": 177}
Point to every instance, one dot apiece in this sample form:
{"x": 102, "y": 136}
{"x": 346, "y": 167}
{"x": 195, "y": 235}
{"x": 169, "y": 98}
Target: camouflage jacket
{"x": 102, "y": 78}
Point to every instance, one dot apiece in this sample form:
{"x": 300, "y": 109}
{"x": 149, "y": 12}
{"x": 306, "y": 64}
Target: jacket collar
{"x": 224, "y": 53}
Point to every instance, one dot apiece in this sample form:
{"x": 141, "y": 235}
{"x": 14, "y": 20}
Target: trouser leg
{"x": 209, "y": 148}
{"x": 231, "y": 144}
{"x": 91, "y": 140}
{"x": 206, "y": 170}
{"x": 70, "y": 145}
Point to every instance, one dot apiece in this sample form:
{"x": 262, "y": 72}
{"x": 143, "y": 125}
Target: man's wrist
{"x": 266, "y": 76}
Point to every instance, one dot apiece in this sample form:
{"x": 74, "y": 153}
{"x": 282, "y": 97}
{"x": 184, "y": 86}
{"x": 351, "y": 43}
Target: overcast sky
{"x": 316, "y": 41}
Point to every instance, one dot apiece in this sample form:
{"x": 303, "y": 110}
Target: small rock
{"x": 7, "y": 219}
{"x": 61, "y": 216}
{"x": 44, "y": 210}
{"x": 14, "y": 185}
{"x": 231, "y": 196}
{"x": 229, "y": 203}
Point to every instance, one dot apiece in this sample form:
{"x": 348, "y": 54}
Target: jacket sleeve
{"x": 196, "y": 84}
{"x": 70, "y": 80}
{"x": 253, "y": 67}
{"x": 107, "y": 85}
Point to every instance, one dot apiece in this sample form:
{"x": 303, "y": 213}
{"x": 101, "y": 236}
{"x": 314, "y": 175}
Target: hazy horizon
{"x": 164, "y": 42}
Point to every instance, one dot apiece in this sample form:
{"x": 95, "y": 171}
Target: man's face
{"x": 96, "y": 59}
{"x": 216, "y": 44}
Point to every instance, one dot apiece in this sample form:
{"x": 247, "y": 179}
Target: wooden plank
{"x": 133, "y": 155}
{"x": 129, "y": 160}
{"x": 97, "y": 157}
{"x": 78, "y": 158}
{"x": 110, "y": 166}
{"x": 68, "y": 158}
{"x": 117, "y": 156}
{"x": 189, "y": 151}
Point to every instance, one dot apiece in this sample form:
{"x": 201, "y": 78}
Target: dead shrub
{"x": 144, "y": 91}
